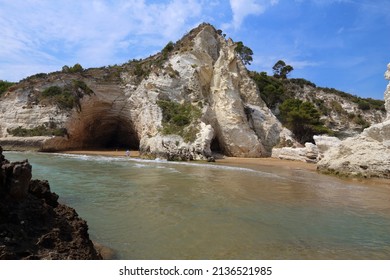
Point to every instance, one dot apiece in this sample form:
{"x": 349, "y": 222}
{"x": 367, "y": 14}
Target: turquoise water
{"x": 160, "y": 210}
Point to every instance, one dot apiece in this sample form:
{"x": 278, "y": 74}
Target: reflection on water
{"x": 160, "y": 210}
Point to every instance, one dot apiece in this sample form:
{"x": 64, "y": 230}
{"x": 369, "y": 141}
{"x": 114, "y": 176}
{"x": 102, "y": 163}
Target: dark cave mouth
{"x": 110, "y": 134}
{"x": 216, "y": 147}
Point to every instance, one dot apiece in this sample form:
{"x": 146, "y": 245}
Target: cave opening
{"x": 216, "y": 147}
{"x": 110, "y": 134}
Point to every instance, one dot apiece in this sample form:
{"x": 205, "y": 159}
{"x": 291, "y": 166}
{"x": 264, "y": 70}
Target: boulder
{"x": 324, "y": 143}
{"x": 358, "y": 156}
{"x": 309, "y": 153}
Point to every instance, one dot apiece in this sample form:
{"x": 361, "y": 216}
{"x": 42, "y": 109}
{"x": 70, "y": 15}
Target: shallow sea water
{"x": 168, "y": 210}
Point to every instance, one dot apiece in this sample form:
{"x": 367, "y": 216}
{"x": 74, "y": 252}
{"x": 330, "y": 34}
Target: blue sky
{"x": 343, "y": 44}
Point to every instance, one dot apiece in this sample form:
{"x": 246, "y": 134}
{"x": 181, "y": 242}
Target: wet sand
{"x": 253, "y": 163}
{"x": 270, "y": 162}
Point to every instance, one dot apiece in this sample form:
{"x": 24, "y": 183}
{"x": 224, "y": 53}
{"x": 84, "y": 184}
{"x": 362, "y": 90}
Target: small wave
{"x": 160, "y": 163}
{"x": 90, "y": 157}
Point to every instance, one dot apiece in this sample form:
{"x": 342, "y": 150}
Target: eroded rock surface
{"x": 33, "y": 225}
{"x": 309, "y": 153}
{"x": 387, "y": 92}
{"x": 367, "y": 154}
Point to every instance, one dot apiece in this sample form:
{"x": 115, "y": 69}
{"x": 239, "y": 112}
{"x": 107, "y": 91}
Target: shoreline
{"x": 253, "y": 163}
{"x": 257, "y": 164}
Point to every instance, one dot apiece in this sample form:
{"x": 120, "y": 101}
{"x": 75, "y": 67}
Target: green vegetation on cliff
{"x": 180, "y": 119}
{"x": 272, "y": 90}
{"x": 77, "y": 68}
{"x": 41, "y": 130}
{"x": 303, "y": 119}
{"x": 4, "y": 86}
{"x": 66, "y": 97}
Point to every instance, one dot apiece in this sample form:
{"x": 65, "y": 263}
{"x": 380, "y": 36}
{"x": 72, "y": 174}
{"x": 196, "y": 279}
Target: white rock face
{"x": 309, "y": 153}
{"x": 325, "y": 143}
{"x": 16, "y": 111}
{"x": 367, "y": 154}
{"x": 233, "y": 115}
{"x": 203, "y": 70}
{"x": 235, "y": 135}
{"x": 387, "y": 92}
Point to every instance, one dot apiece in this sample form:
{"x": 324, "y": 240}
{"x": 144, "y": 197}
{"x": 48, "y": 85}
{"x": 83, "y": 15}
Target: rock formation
{"x": 341, "y": 112}
{"x": 123, "y": 107}
{"x": 33, "y": 225}
{"x": 366, "y": 155}
{"x": 309, "y": 153}
{"x": 387, "y": 92}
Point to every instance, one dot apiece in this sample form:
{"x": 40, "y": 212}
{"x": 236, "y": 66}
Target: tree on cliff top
{"x": 244, "y": 52}
{"x": 4, "y": 86}
{"x": 281, "y": 69}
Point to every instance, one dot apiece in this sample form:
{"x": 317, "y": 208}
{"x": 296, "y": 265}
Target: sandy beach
{"x": 230, "y": 161}
{"x": 271, "y": 162}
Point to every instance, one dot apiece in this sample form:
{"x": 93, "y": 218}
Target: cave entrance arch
{"x": 109, "y": 133}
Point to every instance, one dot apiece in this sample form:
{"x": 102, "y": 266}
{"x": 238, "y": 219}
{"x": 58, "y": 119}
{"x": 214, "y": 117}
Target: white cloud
{"x": 243, "y": 8}
{"x": 38, "y": 33}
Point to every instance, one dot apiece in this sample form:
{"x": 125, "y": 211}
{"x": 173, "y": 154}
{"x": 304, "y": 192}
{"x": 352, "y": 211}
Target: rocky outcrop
{"x": 387, "y": 92}
{"x": 309, "y": 153}
{"x": 340, "y": 112}
{"x": 324, "y": 143}
{"x": 33, "y": 225}
{"x": 366, "y": 155}
{"x": 34, "y": 143}
{"x": 202, "y": 69}
{"x": 209, "y": 75}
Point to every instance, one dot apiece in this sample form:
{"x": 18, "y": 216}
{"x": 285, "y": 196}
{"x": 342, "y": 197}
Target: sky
{"x": 342, "y": 44}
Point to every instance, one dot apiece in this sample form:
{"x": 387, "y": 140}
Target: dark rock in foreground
{"x": 33, "y": 225}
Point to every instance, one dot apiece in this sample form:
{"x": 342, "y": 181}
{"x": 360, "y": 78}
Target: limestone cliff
{"x": 201, "y": 76}
{"x": 343, "y": 113}
{"x": 367, "y": 154}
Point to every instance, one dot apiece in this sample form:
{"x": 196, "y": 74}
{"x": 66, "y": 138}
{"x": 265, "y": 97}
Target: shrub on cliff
{"x": 61, "y": 97}
{"x": 363, "y": 105}
{"x": 66, "y": 97}
{"x": 271, "y": 89}
{"x": 40, "y": 130}
{"x": 303, "y": 119}
{"x": 179, "y": 119}
{"x": 77, "y": 68}
{"x": 4, "y": 86}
